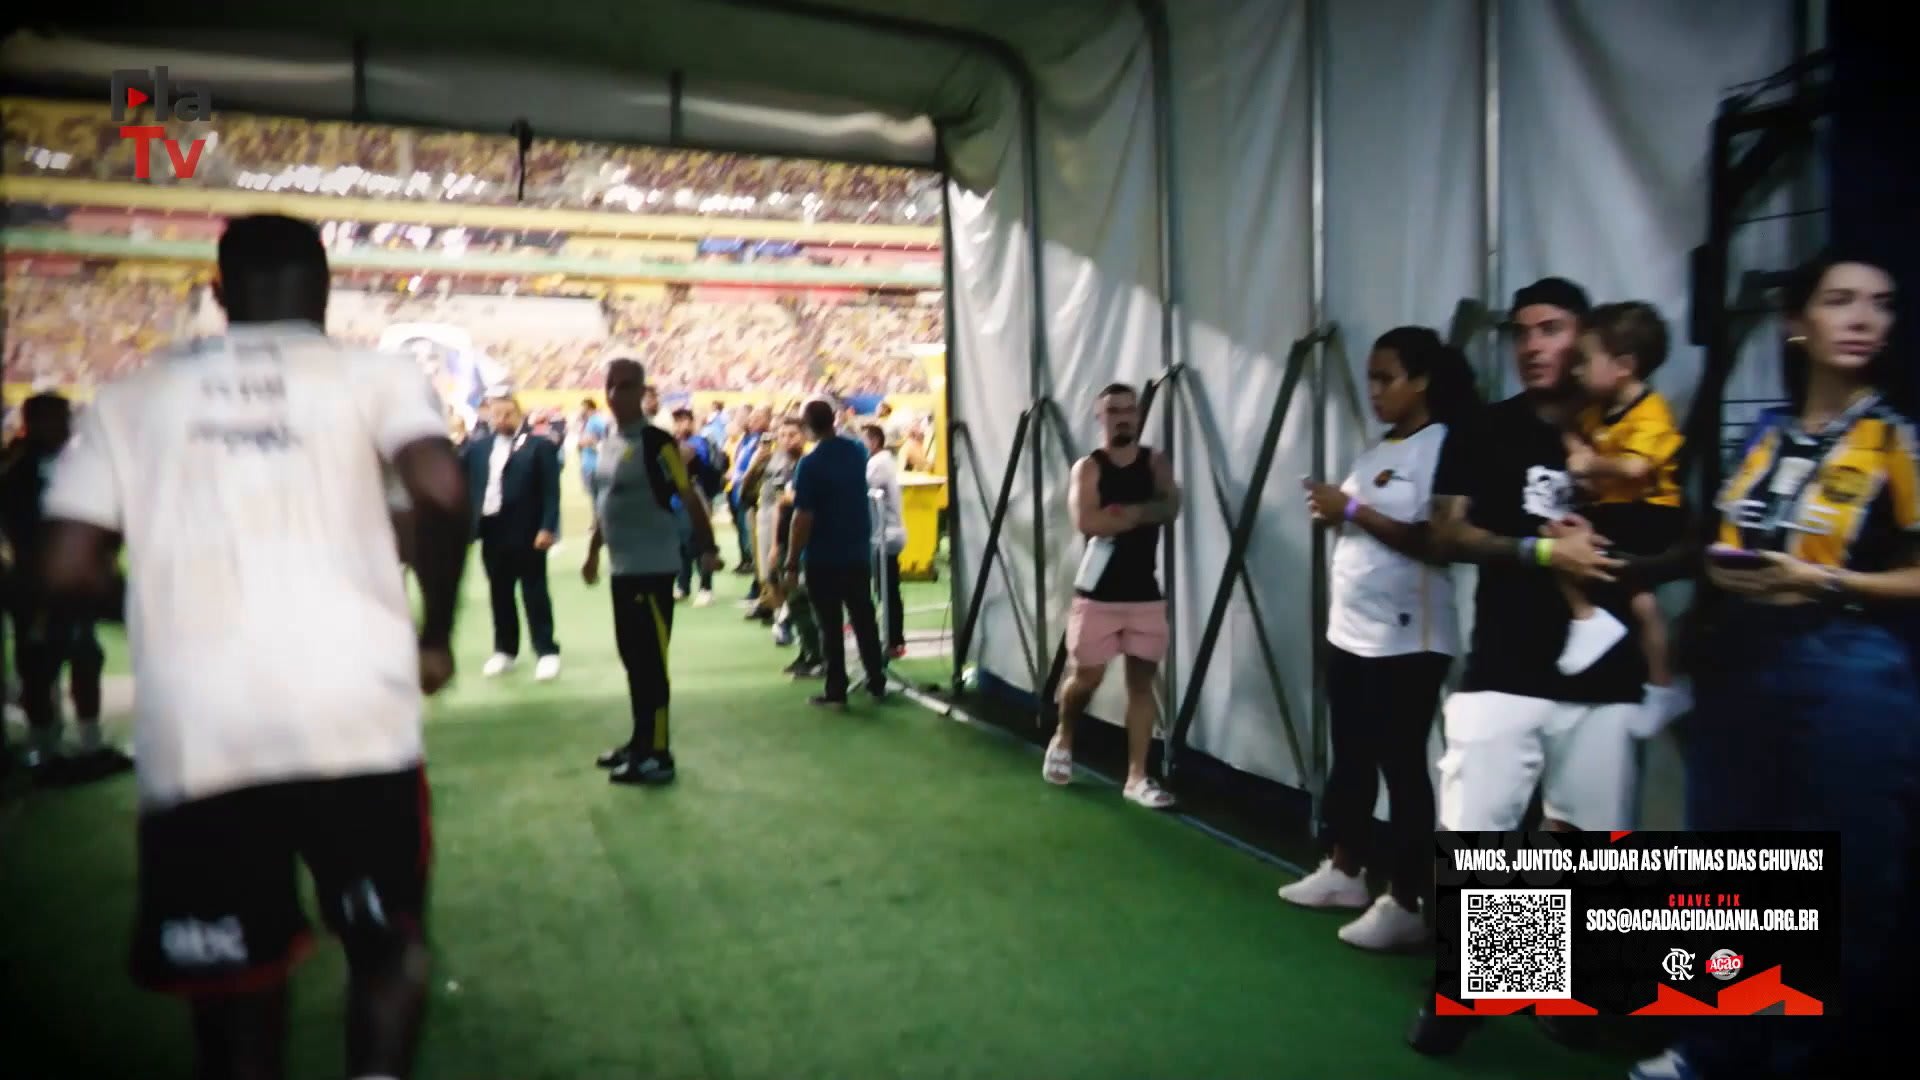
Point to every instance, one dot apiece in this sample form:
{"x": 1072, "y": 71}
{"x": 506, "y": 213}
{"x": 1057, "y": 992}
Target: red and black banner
{"x": 1638, "y": 924}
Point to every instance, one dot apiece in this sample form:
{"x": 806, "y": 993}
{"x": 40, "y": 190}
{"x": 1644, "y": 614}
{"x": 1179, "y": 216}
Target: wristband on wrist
{"x": 1354, "y": 507}
{"x": 1526, "y": 549}
{"x": 1543, "y": 552}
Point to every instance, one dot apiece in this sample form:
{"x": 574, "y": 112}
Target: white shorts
{"x": 1500, "y": 745}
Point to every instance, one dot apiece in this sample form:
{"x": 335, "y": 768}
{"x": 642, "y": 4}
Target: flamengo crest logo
{"x": 133, "y": 88}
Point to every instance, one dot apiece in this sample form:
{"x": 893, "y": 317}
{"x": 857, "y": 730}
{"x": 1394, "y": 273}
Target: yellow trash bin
{"x": 922, "y": 496}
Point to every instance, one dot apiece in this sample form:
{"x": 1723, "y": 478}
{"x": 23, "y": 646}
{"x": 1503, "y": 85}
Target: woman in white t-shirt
{"x": 1393, "y": 633}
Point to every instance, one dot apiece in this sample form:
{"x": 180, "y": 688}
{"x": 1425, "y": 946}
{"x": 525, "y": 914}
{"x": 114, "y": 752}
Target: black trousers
{"x": 1381, "y": 711}
{"x": 643, "y": 632}
{"x": 44, "y": 644}
{"x": 896, "y": 618}
{"x": 689, "y": 555}
{"x": 512, "y": 565}
{"x": 842, "y": 595}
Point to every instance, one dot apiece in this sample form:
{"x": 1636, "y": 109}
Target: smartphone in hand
{"x": 1728, "y": 557}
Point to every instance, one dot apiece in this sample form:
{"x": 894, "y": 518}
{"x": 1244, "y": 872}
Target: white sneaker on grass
{"x": 498, "y": 664}
{"x": 548, "y": 668}
{"x": 1386, "y": 927}
{"x": 1327, "y": 887}
{"x": 703, "y": 598}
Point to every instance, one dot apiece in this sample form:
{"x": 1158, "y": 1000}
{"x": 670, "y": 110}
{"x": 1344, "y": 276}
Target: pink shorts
{"x": 1097, "y": 632}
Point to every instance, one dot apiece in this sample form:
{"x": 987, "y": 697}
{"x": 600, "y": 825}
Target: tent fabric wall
{"x": 1241, "y": 94}
{"x": 1097, "y": 205}
{"x": 1606, "y": 107}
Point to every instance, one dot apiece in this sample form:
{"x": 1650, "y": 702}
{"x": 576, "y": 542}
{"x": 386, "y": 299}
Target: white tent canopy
{"x": 1134, "y": 186}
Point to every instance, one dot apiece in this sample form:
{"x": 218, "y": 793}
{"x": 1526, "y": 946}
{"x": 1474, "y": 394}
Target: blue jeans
{"x": 1810, "y": 720}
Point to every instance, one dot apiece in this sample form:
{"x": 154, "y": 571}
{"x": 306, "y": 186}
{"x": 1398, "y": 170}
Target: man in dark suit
{"x": 514, "y": 477}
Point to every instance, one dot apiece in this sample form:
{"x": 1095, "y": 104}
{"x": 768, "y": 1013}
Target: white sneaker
{"x": 498, "y": 664}
{"x": 1386, "y": 927}
{"x": 703, "y": 598}
{"x": 1661, "y": 706}
{"x": 548, "y": 668}
{"x": 1327, "y": 887}
{"x": 679, "y": 593}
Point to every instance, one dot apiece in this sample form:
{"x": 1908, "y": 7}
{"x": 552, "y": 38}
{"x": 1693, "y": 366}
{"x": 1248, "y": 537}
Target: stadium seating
{"x": 97, "y": 321}
{"x": 79, "y": 140}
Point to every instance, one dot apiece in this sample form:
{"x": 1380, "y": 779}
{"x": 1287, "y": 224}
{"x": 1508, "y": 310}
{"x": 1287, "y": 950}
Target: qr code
{"x": 1516, "y": 943}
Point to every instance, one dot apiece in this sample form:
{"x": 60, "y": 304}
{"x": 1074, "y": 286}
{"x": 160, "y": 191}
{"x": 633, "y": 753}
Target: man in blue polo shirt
{"x": 832, "y": 534}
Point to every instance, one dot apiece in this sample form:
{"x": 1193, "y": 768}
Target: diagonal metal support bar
{"x": 1242, "y": 538}
{"x": 1275, "y": 681}
{"x": 1022, "y": 617}
{"x": 991, "y": 554}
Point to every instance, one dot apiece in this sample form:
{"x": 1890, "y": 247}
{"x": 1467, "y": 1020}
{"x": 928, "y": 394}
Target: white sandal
{"x": 1144, "y": 792}
{"x": 1058, "y": 768}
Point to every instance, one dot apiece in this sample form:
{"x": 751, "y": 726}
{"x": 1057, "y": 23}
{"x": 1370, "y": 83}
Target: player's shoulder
{"x": 654, "y": 438}
{"x": 360, "y": 363}
{"x": 111, "y": 402}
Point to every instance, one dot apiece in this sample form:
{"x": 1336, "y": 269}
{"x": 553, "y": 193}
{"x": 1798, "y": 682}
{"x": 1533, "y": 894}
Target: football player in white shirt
{"x": 278, "y": 673}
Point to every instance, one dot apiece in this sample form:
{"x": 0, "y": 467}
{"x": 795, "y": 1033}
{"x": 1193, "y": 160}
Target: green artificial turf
{"x": 881, "y": 893}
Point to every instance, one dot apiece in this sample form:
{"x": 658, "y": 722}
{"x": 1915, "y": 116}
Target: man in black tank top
{"x": 1121, "y": 495}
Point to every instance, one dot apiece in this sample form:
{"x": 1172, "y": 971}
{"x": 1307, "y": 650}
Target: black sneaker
{"x": 828, "y": 701}
{"x": 615, "y": 757}
{"x": 800, "y": 663}
{"x": 1437, "y": 1036}
{"x": 805, "y": 672}
{"x": 879, "y": 691}
{"x": 96, "y": 764}
{"x": 654, "y": 769}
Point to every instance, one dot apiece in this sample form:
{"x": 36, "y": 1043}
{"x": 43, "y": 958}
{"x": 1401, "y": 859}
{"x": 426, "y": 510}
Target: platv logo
{"x": 1725, "y": 964}
{"x": 133, "y": 88}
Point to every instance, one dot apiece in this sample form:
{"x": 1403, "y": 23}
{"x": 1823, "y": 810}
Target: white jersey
{"x": 271, "y": 633}
{"x": 1384, "y": 603}
{"x": 883, "y": 475}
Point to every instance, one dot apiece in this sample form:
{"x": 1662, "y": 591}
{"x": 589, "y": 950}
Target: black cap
{"x": 1555, "y": 292}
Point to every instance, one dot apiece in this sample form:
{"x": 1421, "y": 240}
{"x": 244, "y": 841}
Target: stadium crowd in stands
{"x": 275, "y": 154}
{"x": 97, "y": 322}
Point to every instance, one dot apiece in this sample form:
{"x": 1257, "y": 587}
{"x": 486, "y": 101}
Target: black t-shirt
{"x": 1512, "y": 467}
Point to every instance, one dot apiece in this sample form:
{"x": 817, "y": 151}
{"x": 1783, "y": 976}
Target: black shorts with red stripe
{"x": 219, "y": 895}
